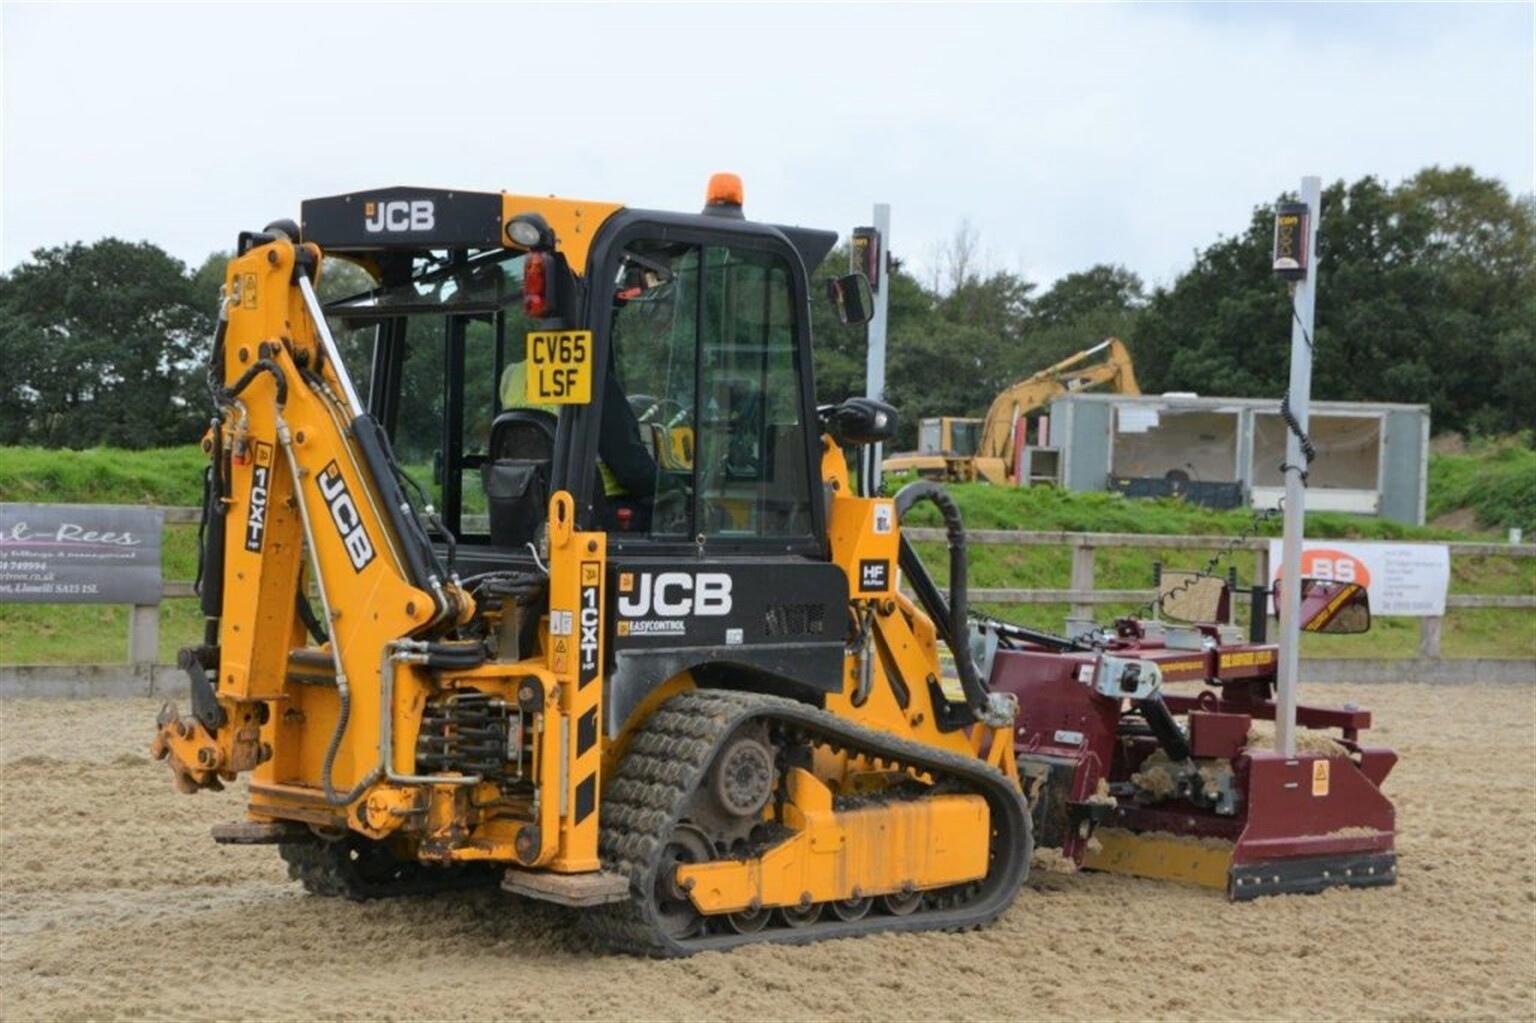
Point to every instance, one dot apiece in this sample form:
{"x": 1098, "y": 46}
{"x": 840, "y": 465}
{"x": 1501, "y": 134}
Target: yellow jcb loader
{"x": 562, "y": 583}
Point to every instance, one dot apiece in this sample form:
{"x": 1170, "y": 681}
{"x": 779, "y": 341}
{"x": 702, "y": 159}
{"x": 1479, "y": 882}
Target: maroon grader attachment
{"x": 1119, "y": 784}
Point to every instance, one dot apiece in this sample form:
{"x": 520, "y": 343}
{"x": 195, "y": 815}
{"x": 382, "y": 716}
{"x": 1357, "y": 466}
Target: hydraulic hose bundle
{"x": 952, "y": 616}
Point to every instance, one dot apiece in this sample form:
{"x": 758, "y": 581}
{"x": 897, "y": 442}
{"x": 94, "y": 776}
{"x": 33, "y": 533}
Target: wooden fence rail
{"x": 1082, "y": 596}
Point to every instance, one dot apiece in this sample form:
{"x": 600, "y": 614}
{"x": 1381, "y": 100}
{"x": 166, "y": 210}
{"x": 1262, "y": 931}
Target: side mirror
{"x": 1332, "y": 608}
{"x": 859, "y": 421}
{"x": 852, "y": 297}
{"x": 1193, "y": 597}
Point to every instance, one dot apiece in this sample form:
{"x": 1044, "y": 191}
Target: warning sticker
{"x": 885, "y": 515}
{"x": 1320, "y": 777}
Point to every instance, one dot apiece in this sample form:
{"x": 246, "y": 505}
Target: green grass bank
{"x": 1487, "y": 479}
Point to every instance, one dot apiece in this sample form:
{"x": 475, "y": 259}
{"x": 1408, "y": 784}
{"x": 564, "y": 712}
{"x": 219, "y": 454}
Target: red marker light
{"x": 535, "y": 286}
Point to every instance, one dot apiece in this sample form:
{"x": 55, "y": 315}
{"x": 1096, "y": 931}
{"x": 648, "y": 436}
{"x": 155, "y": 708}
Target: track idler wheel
{"x": 743, "y": 776}
{"x": 675, "y": 911}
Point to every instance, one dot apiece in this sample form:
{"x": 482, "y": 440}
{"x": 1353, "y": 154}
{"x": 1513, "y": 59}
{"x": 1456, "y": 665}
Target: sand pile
{"x": 1156, "y": 776}
{"x": 115, "y": 904}
{"x": 1308, "y": 740}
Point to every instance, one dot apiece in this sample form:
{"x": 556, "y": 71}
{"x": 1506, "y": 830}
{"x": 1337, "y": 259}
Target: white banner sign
{"x": 1404, "y": 579}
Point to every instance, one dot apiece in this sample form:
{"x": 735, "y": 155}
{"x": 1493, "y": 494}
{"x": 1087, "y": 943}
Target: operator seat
{"x": 516, "y": 478}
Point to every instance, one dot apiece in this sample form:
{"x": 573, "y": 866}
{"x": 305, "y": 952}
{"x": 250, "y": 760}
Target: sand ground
{"x": 115, "y": 904}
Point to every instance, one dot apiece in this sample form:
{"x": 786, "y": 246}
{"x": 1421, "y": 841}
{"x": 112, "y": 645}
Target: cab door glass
{"x": 646, "y": 450}
{"x": 703, "y": 430}
{"x": 753, "y": 480}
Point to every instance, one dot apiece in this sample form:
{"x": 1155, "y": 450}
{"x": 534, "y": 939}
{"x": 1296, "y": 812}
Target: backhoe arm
{"x": 297, "y": 467}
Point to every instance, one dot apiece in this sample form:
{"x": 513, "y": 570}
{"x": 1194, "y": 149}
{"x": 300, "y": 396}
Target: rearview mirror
{"x": 852, "y": 297}
{"x": 1335, "y": 608}
{"x": 1193, "y": 597}
{"x": 1332, "y": 608}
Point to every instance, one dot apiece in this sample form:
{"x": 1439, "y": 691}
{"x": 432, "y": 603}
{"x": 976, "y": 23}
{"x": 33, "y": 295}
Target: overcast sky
{"x": 1066, "y": 135}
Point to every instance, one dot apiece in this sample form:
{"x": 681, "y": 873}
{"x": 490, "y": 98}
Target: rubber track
{"x": 666, "y": 763}
{"x": 325, "y": 869}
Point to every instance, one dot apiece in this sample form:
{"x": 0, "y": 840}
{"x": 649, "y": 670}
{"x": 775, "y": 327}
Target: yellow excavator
{"x": 478, "y": 612}
{"x": 961, "y": 450}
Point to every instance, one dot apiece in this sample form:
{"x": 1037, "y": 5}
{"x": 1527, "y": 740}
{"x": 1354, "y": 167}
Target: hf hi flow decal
{"x": 261, "y": 489}
{"x": 354, "y": 535}
{"x": 874, "y": 575}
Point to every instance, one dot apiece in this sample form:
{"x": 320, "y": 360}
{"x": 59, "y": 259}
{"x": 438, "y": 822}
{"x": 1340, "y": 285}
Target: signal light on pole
{"x": 1291, "y": 228}
{"x": 867, "y": 256}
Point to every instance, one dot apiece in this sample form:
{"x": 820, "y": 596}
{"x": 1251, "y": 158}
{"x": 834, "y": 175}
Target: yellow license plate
{"x": 559, "y": 367}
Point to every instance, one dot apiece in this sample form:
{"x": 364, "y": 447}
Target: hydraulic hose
{"x": 216, "y": 356}
{"x": 260, "y": 366}
{"x": 210, "y": 546}
{"x": 344, "y": 715}
{"x": 952, "y": 616}
{"x": 448, "y": 656}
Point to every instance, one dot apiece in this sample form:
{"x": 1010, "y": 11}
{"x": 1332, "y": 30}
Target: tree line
{"x": 1426, "y": 294}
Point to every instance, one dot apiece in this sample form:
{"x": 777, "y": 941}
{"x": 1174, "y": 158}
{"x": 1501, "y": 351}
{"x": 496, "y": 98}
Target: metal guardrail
{"x": 1082, "y": 595}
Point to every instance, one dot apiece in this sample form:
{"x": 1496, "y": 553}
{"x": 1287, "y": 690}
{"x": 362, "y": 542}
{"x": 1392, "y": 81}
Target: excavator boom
{"x": 1105, "y": 364}
{"x": 1078, "y": 372}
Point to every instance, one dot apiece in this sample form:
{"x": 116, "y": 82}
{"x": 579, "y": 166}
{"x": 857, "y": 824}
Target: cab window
{"x": 449, "y": 338}
{"x": 706, "y": 381}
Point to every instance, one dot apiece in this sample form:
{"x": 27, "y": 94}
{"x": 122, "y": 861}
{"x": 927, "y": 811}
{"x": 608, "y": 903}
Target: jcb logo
{"x": 675, "y": 594}
{"x": 354, "y": 535}
{"x": 400, "y": 215}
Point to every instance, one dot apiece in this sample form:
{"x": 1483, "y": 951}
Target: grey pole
{"x": 874, "y": 366}
{"x": 1295, "y": 491}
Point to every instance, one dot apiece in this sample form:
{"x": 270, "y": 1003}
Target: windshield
{"x": 481, "y": 285}
{"x": 966, "y": 436}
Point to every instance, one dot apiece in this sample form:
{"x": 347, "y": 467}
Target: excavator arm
{"x": 994, "y": 455}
